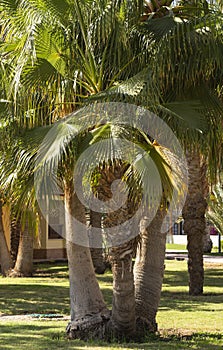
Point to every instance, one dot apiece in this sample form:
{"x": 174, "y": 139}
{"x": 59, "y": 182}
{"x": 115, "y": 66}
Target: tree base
{"x": 88, "y": 327}
{"x": 15, "y": 273}
{"x": 145, "y": 327}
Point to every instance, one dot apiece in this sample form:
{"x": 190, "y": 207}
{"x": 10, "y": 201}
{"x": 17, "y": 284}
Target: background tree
{"x": 192, "y": 94}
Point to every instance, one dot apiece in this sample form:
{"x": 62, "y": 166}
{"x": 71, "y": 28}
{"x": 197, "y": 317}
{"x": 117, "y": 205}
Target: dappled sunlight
{"x": 48, "y": 292}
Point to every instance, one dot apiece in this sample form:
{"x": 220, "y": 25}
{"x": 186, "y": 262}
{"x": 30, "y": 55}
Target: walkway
{"x": 182, "y": 255}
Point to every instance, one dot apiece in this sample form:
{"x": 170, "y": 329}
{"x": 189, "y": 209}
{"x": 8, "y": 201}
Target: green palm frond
{"x": 159, "y": 28}
{"x": 201, "y": 39}
{"x": 58, "y": 9}
{"x": 44, "y": 71}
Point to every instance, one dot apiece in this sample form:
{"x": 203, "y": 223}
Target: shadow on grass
{"x": 52, "y": 336}
{"x": 34, "y": 298}
{"x": 213, "y": 278}
{"x": 51, "y": 270}
{"x": 183, "y": 302}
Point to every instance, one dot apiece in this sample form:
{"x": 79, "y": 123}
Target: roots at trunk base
{"x": 89, "y": 327}
{"x": 100, "y": 327}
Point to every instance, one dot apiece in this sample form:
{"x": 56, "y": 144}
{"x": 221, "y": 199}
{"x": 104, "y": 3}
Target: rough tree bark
{"x": 148, "y": 272}
{"x": 123, "y": 302}
{"x": 24, "y": 261}
{"x": 97, "y": 253}
{"x": 15, "y": 237}
{"x": 123, "y": 319}
{"x": 194, "y": 221}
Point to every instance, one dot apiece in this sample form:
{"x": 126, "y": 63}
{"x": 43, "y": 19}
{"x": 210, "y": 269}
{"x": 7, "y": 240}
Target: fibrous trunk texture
{"x": 97, "y": 253}
{"x": 122, "y": 237}
{"x": 89, "y": 314}
{"x": 123, "y": 322}
{"x": 194, "y": 221}
{"x": 148, "y": 272}
{"x": 15, "y": 236}
{"x": 5, "y": 258}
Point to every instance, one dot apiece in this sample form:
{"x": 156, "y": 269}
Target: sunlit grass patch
{"x": 185, "y": 322}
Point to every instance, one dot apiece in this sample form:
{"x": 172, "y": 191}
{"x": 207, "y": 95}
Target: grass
{"x": 175, "y": 246}
{"x": 185, "y": 322}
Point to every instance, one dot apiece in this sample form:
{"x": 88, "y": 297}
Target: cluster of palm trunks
{"x": 136, "y": 289}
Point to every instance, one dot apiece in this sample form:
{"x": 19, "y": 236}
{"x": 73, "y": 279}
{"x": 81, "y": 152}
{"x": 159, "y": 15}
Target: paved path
{"x": 182, "y": 255}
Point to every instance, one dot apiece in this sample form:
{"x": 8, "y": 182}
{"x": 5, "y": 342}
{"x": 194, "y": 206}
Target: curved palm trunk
{"x": 5, "y": 258}
{"x": 89, "y": 314}
{"x": 24, "y": 261}
{"x": 148, "y": 272}
{"x": 97, "y": 253}
{"x": 194, "y": 222}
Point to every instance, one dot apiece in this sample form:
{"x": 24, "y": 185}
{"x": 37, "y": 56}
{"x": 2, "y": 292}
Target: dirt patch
{"x": 34, "y": 317}
{"x": 176, "y": 333}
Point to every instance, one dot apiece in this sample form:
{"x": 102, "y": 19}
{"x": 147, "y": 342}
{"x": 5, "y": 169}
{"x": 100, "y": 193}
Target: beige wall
{"x": 46, "y": 243}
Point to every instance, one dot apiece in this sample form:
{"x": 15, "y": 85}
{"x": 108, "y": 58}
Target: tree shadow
{"x": 34, "y": 298}
{"x": 51, "y": 336}
{"x": 212, "y": 278}
{"x": 184, "y": 302}
{"x": 51, "y": 270}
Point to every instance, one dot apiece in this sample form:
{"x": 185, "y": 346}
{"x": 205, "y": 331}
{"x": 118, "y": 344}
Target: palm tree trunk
{"x": 15, "y": 236}
{"x": 148, "y": 272}
{"x": 97, "y": 253}
{"x": 194, "y": 221}
{"x": 5, "y": 258}
{"x": 123, "y": 322}
{"x": 24, "y": 261}
{"x": 89, "y": 314}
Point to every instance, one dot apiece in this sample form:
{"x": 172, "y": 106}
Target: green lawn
{"x": 175, "y": 246}
{"x": 185, "y": 322}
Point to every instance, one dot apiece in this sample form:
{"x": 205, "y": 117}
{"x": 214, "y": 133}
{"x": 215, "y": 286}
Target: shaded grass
{"x": 50, "y": 336}
{"x": 185, "y": 322}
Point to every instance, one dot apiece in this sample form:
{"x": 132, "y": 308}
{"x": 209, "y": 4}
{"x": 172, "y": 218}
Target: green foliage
{"x": 58, "y": 55}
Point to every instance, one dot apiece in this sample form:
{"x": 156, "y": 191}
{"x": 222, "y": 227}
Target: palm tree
{"x": 175, "y": 84}
{"x": 89, "y": 313}
{"x": 195, "y": 224}
{"x": 98, "y": 254}
{"x": 24, "y": 260}
{"x": 149, "y": 271}
{"x": 182, "y": 90}
{"x": 121, "y": 256}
